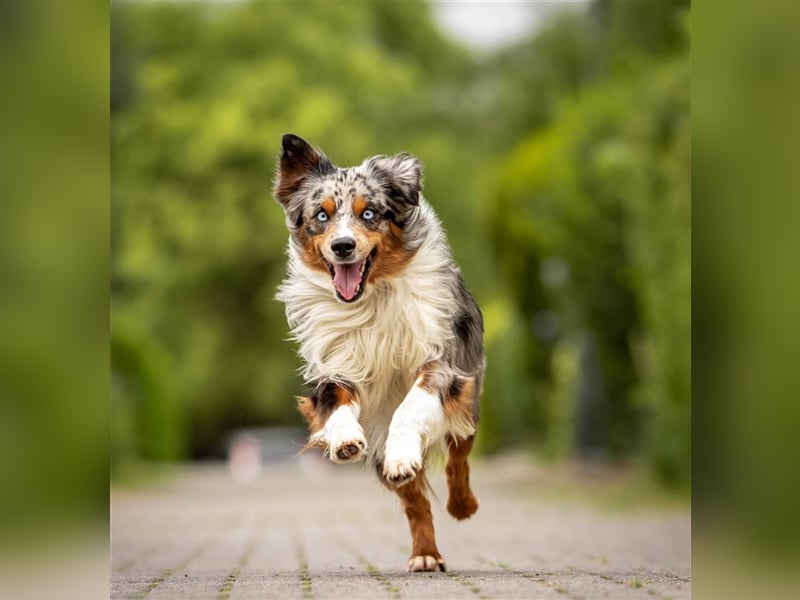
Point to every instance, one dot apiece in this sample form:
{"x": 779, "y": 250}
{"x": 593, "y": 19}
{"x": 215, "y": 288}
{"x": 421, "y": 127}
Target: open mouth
{"x": 350, "y": 279}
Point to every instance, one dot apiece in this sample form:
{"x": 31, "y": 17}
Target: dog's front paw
{"x": 402, "y": 460}
{"x": 351, "y": 450}
{"x": 426, "y": 563}
{"x": 402, "y": 470}
{"x": 344, "y": 436}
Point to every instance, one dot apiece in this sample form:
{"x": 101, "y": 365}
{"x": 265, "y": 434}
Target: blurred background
{"x": 557, "y": 151}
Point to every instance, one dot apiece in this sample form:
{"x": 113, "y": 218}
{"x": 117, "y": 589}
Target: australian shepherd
{"x": 391, "y": 338}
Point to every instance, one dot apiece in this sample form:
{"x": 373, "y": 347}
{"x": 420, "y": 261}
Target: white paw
{"x": 346, "y": 442}
{"x": 343, "y": 436}
{"x": 350, "y": 450}
{"x": 402, "y": 459}
{"x": 426, "y": 563}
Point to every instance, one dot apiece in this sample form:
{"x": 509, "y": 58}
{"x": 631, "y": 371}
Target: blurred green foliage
{"x": 559, "y": 166}
{"x": 54, "y": 261}
{"x": 747, "y": 292}
{"x": 602, "y": 240}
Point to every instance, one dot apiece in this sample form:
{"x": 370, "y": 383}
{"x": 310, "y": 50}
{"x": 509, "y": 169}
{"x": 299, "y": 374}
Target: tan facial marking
{"x": 359, "y": 206}
{"x": 311, "y": 254}
{"x": 390, "y": 258}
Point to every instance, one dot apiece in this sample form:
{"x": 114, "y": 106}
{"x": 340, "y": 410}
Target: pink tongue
{"x": 346, "y": 279}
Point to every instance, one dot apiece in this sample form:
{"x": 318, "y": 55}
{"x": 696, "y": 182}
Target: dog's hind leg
{"x": 461, "y": 502}
{"x": 424, "y": 553}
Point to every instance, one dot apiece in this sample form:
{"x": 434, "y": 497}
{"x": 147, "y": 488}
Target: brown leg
{"x": 424, "y": 553}
{"x": 461, "y": 502}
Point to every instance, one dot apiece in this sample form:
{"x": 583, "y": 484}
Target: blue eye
{"x": 322, "y": 216}
{"x": 368, "y": 215}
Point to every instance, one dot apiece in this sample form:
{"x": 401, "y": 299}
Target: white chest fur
{"x": 377, "y": 343}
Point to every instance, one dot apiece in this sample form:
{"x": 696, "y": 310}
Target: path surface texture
{"x": 308, "y": 529}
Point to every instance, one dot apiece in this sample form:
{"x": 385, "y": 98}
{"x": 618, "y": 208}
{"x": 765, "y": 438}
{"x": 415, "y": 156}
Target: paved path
{"x": 306, "y": 529}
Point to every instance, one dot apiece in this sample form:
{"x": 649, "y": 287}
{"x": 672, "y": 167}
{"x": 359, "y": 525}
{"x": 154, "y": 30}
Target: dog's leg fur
{"x": 424, "y": 553}
{"x": 461, "y": 502}
{"x": 332, "y": 415}
{"x": 440, "y": 403}
{"x": 418, "y": 420}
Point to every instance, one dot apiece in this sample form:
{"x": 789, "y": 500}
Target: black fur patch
{"x": 462, "y": 326}
{"x": 325, "y": 398}
{"x": 390, "y": 216}
{"x": 456, "y": 386}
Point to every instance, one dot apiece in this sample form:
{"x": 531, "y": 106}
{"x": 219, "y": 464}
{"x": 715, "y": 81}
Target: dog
{"x": 391, "y": 338}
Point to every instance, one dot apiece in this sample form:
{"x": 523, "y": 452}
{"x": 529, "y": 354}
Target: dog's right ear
{"x": 298, "y": 161}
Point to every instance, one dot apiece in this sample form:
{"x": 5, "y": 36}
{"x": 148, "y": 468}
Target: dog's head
{"x": 349, "y": 223}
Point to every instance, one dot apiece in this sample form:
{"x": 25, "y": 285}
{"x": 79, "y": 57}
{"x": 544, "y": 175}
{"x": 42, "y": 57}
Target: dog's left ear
{"x": 298, "y": 161}
{"x": 401, "y": 177}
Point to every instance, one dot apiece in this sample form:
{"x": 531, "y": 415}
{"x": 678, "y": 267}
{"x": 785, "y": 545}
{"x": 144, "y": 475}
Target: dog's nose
{"x": 343, "y": 247}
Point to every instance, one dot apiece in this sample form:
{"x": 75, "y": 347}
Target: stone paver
{"x": 306, "y": 529}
